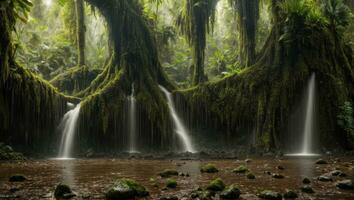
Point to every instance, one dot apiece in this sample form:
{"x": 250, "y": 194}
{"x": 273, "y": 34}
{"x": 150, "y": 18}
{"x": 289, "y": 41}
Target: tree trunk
{"x": 80, "y": 32}
{"x": 248, "y": 13}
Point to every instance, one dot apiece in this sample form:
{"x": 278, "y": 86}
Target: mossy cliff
{"x": 30, "y": 108}
{"x": 263, "y": 97}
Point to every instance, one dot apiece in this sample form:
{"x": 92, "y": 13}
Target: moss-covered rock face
{"x": 61, "y": 191}
{"x": 209, "y": 168}
{"x": 216, "y": 185}
{"x": 126, "y": 189}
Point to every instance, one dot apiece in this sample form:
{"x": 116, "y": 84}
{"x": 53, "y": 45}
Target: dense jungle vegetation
{"x": 237, "y": 70}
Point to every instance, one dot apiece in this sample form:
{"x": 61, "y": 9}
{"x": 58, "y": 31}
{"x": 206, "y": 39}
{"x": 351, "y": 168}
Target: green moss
{"x": 216, "y": 185}
{"x": 171, "y": 183}
{"x": 209, "y": 168}
{"x": 240, "y": 169}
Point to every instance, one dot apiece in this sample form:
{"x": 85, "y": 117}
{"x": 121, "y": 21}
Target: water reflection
{"x": 68, "y": 172}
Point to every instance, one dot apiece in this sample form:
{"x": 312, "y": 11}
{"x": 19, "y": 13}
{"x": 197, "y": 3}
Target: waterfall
{"x": 68, "y": 127}
{"x": 309, "y": 118}
{"x": 308, "y": 130}
{"x": 132, "y": 122}
{"x": 180, "y": 129}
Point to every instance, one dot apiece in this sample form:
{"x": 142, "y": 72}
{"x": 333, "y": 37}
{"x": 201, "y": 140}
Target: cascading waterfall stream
{"x": 180, "y": 129}
{"x": 68, "y": 127}
{"x": 309, "y": 119}
{"x": 132, "y": 122}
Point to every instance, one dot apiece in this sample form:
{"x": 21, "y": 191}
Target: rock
{"x": 337, "y": 173}
{"x": 278, "y": 176}
{"x": 251, "y": 176}
{"x": 202, "y": 195}
{"x": 289, "y": 194}
{"x": 321, "y": 162}
{"x": 324, "y": 178}
{"x": 231, "y": 192}
{"x": 240, "y": 169}
{"x": 69, "y": 196}
{"x": 306, "y": 181}
{"x": 171, "y": 183}
{"x": 168, "y": 173}
{"x": 169, "y": 198}
{"x": 271, "y": 195}
{"x": 86, "y": 196}
{"x": 268, "y": 172}
{"x": 61, "y": 191}
{"x": 280, "y": 167}
{"x": 126, "y": 189}
{"x": 209, "y": 168}
{"x": 17, "y": 178}
{"x": 345, "y": 185}
{"x": 216, "y": 185}
{"x": 307, "y": 189}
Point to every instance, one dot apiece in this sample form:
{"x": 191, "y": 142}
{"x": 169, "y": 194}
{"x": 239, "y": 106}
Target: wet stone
{"x": 231, "y": 192}
{"x": 324, "y": 178}
{"x": 307, "y": 189}
{"x": 271, "y": 195}
{"x": 306, "y": 181}
{"x": 17, "y": 178}
{"x": 278, "y": 176}
{"x": 345, "y": 185}
{"x": 321, "y": 162}
{"x": 289, "y": 194}
{"x": 63, "y": 191}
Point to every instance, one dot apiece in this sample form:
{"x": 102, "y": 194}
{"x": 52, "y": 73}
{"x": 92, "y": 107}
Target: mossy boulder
{"x": 216, "y": 185}
{"x": 168, "y": 173}
{"x": 171, "y": 183}
{"x": 126, "y": 189}
{"x": 17, "y": 178}
{"x": 240, "y": 169}
{"x": 231, "y": 192}
{"x": 209, "y": 168}
{"x": 271, "y": 195}
{"x": 63, "y": 191}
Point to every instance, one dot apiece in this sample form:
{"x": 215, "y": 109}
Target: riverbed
{"x": 91, "y": 178}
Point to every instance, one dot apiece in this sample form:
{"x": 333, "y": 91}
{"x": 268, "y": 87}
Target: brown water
{"x": 95, "y": 176}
